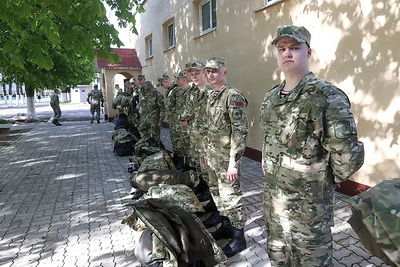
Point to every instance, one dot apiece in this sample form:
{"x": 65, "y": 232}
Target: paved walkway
{"x": 62, "y": 191}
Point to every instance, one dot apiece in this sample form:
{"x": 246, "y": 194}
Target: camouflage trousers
{"x": 133, "y": 118}
{"x": 175, "y": 140}
{"x": 95, "y": 109}
{"x": 149, "y": 129}
{"x": 57, "y": 112}
{"x": 199, "y": 155}
{"x": 293, "y": 239}
{"x": 227, "y": 194}
{"x": 185, "y": 143}
{"x": 180, "y": 140}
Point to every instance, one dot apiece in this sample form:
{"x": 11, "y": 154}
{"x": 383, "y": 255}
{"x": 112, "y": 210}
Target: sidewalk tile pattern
{"x": 62, "y": 196}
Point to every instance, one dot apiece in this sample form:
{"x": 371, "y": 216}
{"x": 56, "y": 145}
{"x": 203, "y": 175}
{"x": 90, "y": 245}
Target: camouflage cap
{"x": 194, "y": 65}
{"x": 132, "y": 80}
{"x": 162, "y": 78}
{"x": 181, "y": 74}
{"x": 215, "y": 63}
{"x": 141, "y": 76}
{"x": 300, "y": 34}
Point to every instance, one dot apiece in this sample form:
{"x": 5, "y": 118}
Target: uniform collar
{"x": 227, "y": 85}
{"x": 297, "y": 90}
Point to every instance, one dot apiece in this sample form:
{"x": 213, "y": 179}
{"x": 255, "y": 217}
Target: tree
{"x": 36, "y": 34}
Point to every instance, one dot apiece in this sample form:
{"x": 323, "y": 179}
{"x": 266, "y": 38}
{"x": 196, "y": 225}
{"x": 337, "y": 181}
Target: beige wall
{"x": 354, "y": 46}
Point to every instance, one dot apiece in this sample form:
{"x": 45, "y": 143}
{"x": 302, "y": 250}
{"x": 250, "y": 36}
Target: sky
{"x": 124, "y": 34}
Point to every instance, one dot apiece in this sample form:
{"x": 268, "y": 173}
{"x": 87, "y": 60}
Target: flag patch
{"x": 238, "y": 104}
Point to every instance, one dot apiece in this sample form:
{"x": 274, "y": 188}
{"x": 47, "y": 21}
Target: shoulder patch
{"x": 342, "y": 129}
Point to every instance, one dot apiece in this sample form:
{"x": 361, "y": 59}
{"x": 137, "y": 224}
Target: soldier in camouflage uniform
{"x": 227, "y": 134}
{"x": 95, "y": 99}
{"x": 117, "y": 101}
{"x": 176, "y": 103}
{"x": 197, "y": 104}
{"x": 133, "y": 88}
{"x": 55, "y": 105}
{"x": 151, "y": 110}
{"x": 132, "y": 109}
{"x": 310, "y": 143}
{"x": 172, "y": 90}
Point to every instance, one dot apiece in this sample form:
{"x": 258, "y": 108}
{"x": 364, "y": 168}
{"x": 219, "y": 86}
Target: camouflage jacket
{"x": 199, "y": 110}
{"x": 95, "y": 97}
{"x": 151, "y": 104}
{"x": 181, "y": 103}
{"x": 227, "y": 126}
{"x": 311, "y": 132}
{"x": 310, "y": 142}
{"x": 190, "y": 96}
{"x": 54, "y": 100}
{"x": 171, "y": 104}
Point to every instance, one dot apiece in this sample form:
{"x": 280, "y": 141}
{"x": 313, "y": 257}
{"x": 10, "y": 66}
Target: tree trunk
{"x": 30, "y": 103}
{"x": 10, "y": 89}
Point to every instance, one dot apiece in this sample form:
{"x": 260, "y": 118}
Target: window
{"x": 208, "y": 16}
{"x": 149, "y": 46}
{"x": 270, "y": 2}
{"x": 171, "y": 35}
{"x": 266, "y": 4}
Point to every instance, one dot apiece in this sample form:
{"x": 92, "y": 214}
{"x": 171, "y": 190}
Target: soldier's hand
{"x": 232, "y": 174}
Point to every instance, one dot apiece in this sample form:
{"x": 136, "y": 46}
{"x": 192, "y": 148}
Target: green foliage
{"x": 3, "y": 121}
{"x": 48, "y": 43}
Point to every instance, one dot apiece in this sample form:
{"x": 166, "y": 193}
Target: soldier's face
{"x": 166, "y": 83}
{"x": 216, "y": 76}
{"x": 198, "y": 77}
{"x": 141, "y": 81}
{"x": 292, "y": 55}
{"x": 182, "y": 82}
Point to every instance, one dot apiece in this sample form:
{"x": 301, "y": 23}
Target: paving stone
{"x": 65, "y": 204}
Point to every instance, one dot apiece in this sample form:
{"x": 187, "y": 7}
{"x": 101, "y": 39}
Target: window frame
{"x": 149, "y": 46}
{"x": 170, "y": 41}
{"x": 212, "y": 15}
{"x": 268, "y": 3}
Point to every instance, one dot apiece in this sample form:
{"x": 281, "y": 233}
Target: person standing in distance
{"x": 310, "y": 144}
{"x": 226, "y": 137}
{"x": 55, "y": 105}
{"x": 95, "y": 99}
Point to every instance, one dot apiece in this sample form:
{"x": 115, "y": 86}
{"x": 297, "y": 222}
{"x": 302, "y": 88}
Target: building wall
{"x": 354, "y": 46}
{"x": 79, "y": 94}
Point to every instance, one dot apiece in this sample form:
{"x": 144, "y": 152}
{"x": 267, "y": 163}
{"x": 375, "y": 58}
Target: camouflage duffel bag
{"x": 123, "y": 149}
{"x": 376, "y": 220}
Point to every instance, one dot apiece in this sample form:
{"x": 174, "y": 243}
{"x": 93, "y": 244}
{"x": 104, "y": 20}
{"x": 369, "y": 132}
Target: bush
{"x": 3, "y": 121}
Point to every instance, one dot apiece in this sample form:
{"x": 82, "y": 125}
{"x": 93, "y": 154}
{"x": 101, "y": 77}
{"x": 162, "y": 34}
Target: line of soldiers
{"x": 208, "y": 129}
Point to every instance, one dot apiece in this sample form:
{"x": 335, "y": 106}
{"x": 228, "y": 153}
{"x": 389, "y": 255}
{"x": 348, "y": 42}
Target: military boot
{"x": 236, "y": 244}
{"x": 225, "y": 230}
{"x": 179, "y": 162}
{"x": 57, "y": 123}
{"x": 54, "y": 122}
{"x": 213, "y": 219}
{"x": 91, "y": 121}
